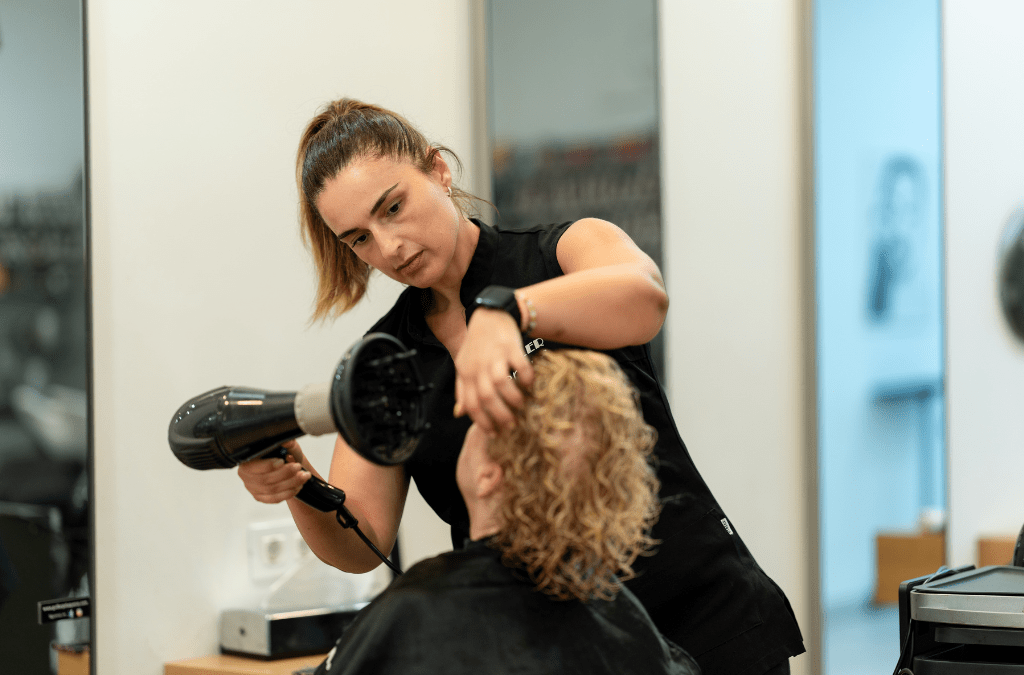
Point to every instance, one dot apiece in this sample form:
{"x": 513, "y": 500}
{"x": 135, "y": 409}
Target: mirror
{"x": 45, "y": 548}
{"x": 574, "y": 130}
{"x": 880, "y": 318}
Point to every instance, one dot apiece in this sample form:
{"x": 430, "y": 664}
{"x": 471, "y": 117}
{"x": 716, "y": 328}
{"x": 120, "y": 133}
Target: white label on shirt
{"x": 725, "y": 524}
{"x": 531, "y": 347}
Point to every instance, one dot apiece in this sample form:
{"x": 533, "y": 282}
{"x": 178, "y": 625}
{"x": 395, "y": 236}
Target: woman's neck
{"x": 446, "y": 290}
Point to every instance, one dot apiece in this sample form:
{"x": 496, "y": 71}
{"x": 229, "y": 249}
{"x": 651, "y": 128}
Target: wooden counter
{"x": 222, "y": 664}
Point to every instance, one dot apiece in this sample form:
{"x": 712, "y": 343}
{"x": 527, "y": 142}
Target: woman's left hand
{"x": 491, "y": 371}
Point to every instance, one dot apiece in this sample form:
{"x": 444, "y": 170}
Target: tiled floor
{"x": 861, "y": 639}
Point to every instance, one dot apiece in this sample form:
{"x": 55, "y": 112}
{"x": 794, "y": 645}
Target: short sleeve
{"x": 548, "y": 243}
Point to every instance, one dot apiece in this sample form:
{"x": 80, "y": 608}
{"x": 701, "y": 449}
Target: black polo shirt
{"x": 702, "y": 588}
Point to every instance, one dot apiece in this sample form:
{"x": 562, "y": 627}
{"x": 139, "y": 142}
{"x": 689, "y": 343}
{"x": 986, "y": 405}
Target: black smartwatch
{"x": 500, "y": 297}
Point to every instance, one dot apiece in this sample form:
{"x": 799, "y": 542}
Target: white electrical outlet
{"x": 273, "y": 548}
{"x": 301, "y": 547}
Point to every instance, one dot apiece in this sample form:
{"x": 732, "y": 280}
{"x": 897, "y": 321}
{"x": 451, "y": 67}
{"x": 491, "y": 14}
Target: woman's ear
{"x": 441, "y": 172}
{"x": 489, "y": 479}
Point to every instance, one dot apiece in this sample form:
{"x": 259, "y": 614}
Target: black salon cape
{"x": 703, "y": 589}
{"x": 465, "y": 613}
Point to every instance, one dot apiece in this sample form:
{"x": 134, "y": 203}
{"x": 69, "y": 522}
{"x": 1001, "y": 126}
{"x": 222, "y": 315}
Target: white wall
{"x": 984, "y": 94}
{"x": 736, "y": 265}
{"x": 199, "y": 278}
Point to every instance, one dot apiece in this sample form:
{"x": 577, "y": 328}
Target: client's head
{"x": 568, "y": 494}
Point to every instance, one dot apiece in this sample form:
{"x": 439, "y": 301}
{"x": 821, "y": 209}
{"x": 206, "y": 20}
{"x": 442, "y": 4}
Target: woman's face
{"x": 396, "y": 218}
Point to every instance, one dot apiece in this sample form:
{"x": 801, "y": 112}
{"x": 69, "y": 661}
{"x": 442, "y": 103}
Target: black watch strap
{"x": 500, "y": 297}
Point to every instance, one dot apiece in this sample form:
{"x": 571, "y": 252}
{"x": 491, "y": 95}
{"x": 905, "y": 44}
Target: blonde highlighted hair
{"x": 342, "y": 131}
{"x": 579, "y": 494}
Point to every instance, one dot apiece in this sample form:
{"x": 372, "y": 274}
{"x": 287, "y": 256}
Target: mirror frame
{"x": 90, "y": 409}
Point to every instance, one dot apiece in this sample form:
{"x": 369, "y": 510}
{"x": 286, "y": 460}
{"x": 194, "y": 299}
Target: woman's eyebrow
{"x": 372, "y": 210}
{"x": 382, "y": 198}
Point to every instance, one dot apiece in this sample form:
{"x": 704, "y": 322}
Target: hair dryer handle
{"x": 321, "y": 495}
{"x": 317, "y": 492}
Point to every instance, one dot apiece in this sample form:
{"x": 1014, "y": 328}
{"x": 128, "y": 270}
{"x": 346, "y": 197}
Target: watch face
{"x": 499, "y": 297}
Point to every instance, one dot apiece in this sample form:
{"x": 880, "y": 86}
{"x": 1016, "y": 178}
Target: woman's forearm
{"x": 335, "y": 545}
{"x": 374, "y": 495}
{"x": 610, "y": 295}
{"x": 600, "y": 308}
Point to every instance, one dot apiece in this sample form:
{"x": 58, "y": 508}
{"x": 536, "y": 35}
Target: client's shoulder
{"x": 475, "y": 566}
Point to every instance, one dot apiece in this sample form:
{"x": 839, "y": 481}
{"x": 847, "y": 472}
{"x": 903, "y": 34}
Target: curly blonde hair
{"x": 342, "y": 131}
{"x": 579, "y": 495}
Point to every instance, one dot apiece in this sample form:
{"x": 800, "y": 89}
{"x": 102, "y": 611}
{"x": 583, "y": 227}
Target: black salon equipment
{"x": 269, "y": 634}
{"x": 1010, "y": 274}
{"x": 375, "y": 400}
{"x": 964, "y": 621}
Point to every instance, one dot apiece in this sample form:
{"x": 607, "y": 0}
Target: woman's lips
{"x": 411, "y": 264}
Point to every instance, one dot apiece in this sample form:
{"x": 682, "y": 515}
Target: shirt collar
{"x": 477, "y": 277}
{"x": 488, "y": 542}
{"x": 481, "y": 267}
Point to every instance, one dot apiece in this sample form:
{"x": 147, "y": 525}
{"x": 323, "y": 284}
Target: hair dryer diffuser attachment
{"x": 377, "y": 399}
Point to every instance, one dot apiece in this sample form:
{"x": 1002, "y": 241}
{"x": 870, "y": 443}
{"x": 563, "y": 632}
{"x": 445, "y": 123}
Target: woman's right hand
{"x": 272, "y": 481}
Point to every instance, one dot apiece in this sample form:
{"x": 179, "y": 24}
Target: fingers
{"x": 523, "y": 369}
{"x": 271, "y": 481}
{"x": 278, "y": 497}
{"x": 491, "y": 369}
{"x": 490, "y": 399}
{"x": 294, "y": 451}
{"x": 458, "y": 411}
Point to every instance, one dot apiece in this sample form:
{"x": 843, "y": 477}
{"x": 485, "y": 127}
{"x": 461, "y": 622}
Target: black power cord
{"x": 348, "y": 521}
{"x": 907, "y": 641}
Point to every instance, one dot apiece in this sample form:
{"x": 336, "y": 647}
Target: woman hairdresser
{"x": 376, "y": 195}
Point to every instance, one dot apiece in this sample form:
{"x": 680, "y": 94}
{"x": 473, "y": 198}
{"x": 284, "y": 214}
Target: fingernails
{"x": 277, "y": 463}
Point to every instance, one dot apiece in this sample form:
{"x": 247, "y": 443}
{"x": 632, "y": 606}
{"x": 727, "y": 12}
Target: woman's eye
{"x": 393, "y": 209}
{"x": 358, "y": 240}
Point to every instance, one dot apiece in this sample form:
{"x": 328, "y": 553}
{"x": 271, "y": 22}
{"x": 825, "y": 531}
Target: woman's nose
{"x": 390, "y": 245}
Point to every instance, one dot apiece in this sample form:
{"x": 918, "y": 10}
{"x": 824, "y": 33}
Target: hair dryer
{"x": 375, "y": 400}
